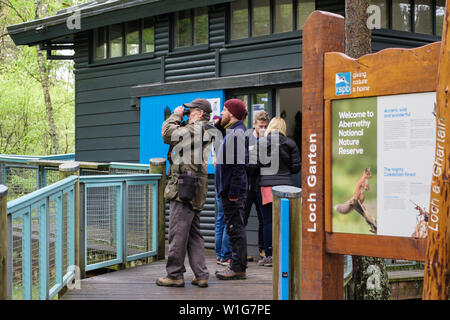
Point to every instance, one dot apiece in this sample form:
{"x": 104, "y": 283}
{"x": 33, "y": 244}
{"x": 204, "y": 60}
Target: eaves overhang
{"x": 95, "y": 14}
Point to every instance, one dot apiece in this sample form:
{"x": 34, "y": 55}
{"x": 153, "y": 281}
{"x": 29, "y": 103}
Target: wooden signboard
{"x": 375, "y": 154}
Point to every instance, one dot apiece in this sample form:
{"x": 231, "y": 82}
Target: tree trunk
{"x": 369, "y": 274}
{"x": 357, "y": 36}
{"x": 52, "y": 128}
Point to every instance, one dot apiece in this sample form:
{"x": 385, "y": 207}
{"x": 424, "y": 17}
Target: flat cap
{"x": 199, "y": 103}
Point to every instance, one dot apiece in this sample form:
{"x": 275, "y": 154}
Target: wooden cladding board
{"x": 389, "y": 71}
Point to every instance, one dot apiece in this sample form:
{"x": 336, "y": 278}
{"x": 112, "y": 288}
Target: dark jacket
{"x": 253, "y": 169}
{"x": 289, "y": 161}
{"x": 231, "y": 178}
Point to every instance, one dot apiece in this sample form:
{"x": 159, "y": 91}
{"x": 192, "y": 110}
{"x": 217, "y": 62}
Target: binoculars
{"x": 186, "y": 112}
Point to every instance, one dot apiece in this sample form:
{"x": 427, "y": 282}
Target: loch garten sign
{"x": 375, "y": 153}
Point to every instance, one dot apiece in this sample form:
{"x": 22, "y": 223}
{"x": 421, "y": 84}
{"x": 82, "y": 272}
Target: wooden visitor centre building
{"x": 134, "y": 60}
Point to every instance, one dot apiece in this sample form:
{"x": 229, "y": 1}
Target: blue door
{"x": 152, "y": 118}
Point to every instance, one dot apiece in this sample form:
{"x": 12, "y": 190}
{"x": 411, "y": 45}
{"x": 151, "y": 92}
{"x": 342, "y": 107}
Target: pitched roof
{"x": 94, "y": 14}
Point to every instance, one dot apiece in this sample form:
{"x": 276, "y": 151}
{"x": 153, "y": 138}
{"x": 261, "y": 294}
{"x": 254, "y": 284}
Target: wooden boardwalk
{"x": 138, "y": 283}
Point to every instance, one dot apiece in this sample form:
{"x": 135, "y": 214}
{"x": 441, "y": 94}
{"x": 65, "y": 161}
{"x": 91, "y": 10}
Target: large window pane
{"x": 260, "y": 102}
{"x": 148, "y": 36}
{"x": 283, "y": 16}
{"x": 260, "y": 18}
{"x": 239, "y": 19}
{"x": 99, "y": 44}
{"x": 132, "y": 38}
{"x": 401, "y": 15}
{"x": 201, "y": 26}
{"x": 440, "y": 11}
{"x": 183, "y": 32}
{"x": 304, "y": 9}
{"x": 423, "y": 16}
{"x": 115, "y": 40}
{"x": 382, "y": 4}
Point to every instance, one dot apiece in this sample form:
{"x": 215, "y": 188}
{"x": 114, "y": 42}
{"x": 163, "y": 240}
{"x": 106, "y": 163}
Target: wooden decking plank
{"x": 138, "y": 283}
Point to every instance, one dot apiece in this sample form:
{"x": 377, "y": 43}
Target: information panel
{"x": 380, "y": 145}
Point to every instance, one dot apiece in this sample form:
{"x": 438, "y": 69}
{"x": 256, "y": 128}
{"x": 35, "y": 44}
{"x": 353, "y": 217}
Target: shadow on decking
{"x": 138, "y": 283}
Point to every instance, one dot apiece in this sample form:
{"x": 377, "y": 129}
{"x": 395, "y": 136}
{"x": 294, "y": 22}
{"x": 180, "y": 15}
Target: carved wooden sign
{"x": 375, "y": 155}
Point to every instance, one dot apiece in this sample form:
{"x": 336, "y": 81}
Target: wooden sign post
{"x": 437, "y": 271}
{"x": 373, "y": 131}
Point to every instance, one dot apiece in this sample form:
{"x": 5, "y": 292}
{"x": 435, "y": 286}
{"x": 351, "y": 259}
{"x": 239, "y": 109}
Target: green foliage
{"x": 23, "y": 121}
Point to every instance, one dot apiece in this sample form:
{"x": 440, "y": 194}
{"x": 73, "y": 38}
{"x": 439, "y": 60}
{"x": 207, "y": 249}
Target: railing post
{"x": 4, "y": 292}
{"x": 158, "y": 165}
{"x": 287, "y": 242}
{"x": 65, "y": 170}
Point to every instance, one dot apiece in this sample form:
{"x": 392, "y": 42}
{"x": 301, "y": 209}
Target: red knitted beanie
{"x": 237, "y": 108}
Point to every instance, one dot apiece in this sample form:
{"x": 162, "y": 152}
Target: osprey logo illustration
{"x": 343, "y": 85}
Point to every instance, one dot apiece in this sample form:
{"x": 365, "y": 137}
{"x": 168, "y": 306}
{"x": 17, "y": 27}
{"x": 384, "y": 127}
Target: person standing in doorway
{"x": 254, "y": 193}
{"x": 231, "y": 185}
{"x": 186, "y": 199}
{"x": 283, "y": 150}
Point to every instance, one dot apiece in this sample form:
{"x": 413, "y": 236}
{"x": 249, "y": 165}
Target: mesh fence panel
{"x": 17, "y": 231}
{"x": 101, "y": 215}
{"x": 52, "y": 243}
{"x": 20, "y": 180}
{"x": 35, "y": 231}
{"x": 52, "y": 175}
{"x": 139, "y": 219}
{"x": 65, "y": 234}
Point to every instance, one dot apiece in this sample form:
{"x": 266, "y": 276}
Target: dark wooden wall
{"x": 107, "y": 119}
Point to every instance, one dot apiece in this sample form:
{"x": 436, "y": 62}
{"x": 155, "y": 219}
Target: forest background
{"x": 37, "y": 96}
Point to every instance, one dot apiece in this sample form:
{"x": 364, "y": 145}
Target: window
{"x": 115, "y": 40}
{"x": 304, "y": 9}
{"x": 201, "y": 26}
{"x": 239, "y": 19}
{"x": 401, "y": 14}
{"x": 384, "y": 11}
{"x": 421, "y": 16}
{"x": 283, "y": 16}
{"x": 254, "y": 103}
{"x": 132, "y": 38}
{"x": 255, "y": 18}
{"x": 191, "y": 27}
{"x": 100, "y": 49}
{"x": 148, "y": 36}
{"x": 440, "y": 11}
{"x": 260, "y": 18}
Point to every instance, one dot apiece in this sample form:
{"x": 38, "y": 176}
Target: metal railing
{"x": 120, "y": 218}
{"x": 40, "y": 230}
{"x": 25, "y": 174}
{"x": 52, "y": 237}
{"x": 22, "y": 176}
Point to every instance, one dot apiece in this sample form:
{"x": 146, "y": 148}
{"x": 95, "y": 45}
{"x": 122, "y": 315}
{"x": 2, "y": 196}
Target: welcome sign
{"x": 379, "y": 147}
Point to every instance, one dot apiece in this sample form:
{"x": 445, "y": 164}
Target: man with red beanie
{"x": 231, "y": 184}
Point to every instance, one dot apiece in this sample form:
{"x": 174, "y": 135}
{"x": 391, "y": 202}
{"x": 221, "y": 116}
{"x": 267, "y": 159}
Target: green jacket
{"x": 171, "y": 129}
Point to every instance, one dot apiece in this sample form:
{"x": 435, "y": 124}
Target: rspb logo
{"x": 343, "y": 85}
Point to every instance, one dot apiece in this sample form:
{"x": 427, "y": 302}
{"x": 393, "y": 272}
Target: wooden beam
{"x": 376, "y": 246}
{"x": 436, "y": 276}
{"x": 322, "y": 273}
